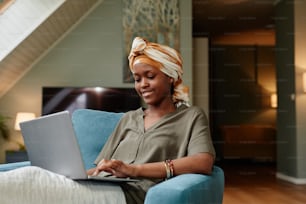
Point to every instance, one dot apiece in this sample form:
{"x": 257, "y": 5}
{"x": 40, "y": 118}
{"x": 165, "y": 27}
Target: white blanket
{"x": 35, "y": 185}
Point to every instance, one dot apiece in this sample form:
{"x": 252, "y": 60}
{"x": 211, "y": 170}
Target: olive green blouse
{"x": 178, "y": 134}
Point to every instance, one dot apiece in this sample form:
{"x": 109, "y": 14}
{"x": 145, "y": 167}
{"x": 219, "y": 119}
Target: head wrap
{"x": 162, "y": 57}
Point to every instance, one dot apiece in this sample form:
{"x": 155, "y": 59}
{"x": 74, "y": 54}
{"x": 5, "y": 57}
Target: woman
{"x": 165, "y": 139}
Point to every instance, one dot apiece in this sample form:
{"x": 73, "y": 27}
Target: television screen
{"x": 55, "y": 99}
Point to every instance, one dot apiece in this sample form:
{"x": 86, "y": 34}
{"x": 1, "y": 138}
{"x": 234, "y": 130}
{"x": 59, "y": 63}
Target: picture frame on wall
{"x": 155, "y": 20}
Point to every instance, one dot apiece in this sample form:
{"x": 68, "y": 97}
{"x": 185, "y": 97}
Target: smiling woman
{"x": 4, "y": 4}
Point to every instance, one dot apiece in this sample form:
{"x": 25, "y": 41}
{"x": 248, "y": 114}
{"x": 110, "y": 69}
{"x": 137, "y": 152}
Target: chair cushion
{"x": 92, "y": 128}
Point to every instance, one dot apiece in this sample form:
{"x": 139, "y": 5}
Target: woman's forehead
{"x": 142, "y": 67}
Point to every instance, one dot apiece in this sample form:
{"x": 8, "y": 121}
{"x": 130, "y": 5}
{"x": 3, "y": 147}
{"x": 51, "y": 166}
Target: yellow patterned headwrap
{"x": 165, "y": 58}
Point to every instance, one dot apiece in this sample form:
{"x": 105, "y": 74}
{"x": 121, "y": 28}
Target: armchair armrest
{"x": 189, "y": 188}
{"x": 11, "y": 166}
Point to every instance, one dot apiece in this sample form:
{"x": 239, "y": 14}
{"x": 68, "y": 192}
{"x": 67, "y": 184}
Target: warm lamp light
{"x": 22, "y": 117}
{"x": 304, "y": 81}
{"x": 273, "y": 100}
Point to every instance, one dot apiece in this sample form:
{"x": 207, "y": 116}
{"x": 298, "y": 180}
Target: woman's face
{"x": 152, "y": 84}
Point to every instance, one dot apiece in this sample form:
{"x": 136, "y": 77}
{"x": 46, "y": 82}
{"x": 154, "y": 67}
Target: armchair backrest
{"x": 92, "y": 129}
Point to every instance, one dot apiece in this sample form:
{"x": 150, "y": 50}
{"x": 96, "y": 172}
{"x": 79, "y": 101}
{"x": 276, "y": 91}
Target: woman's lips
{"x": 146, "y": 93}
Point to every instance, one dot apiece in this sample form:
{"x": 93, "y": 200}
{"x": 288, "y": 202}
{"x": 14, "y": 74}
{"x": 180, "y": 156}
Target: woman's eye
{"x": 150, "y": 76}
{"x": 136, "y": 80}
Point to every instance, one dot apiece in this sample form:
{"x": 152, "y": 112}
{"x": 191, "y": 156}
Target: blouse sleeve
{"x": 200, "y": 138}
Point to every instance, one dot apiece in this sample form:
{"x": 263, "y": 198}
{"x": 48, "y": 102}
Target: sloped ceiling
{"x": 20, "y": 60}
{"x": 210, "y": 17}
{"x": 20, "y": 19}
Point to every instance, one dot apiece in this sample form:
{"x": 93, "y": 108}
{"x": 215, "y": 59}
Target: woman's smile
{"x": 146, "y": 93}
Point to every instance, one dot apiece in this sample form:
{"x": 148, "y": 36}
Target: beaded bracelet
{"x": 168, "y": 172}
{"x": 169, "y": 168}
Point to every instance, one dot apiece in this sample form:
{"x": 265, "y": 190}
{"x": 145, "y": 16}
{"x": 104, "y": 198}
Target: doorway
{"x": 242, "y": 82}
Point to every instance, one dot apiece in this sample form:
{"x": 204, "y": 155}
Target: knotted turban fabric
{"x": 165, "y": 58}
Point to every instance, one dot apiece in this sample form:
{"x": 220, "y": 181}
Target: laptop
{"x": 52, "y": 145}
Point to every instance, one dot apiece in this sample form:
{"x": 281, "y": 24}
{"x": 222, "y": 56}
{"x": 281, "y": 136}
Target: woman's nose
{"x": 144, "y": 83}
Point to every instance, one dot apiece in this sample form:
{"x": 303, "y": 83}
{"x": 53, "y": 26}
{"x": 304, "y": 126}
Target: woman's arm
{"x": 199, "y": 163}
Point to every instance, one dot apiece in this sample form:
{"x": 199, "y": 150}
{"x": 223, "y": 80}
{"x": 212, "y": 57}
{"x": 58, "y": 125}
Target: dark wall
{"x": 286, "y": 117}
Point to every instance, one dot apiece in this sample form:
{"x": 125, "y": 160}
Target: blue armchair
{"x": 93, "y": 127}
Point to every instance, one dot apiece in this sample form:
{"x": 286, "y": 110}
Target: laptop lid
{"x": 51, "y": 144}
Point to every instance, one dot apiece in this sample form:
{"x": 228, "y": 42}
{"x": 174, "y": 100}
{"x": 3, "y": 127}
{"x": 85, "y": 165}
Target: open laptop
{"x": 52, "y": 145}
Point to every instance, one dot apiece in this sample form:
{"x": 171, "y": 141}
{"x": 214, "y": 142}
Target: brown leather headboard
{"x": 249, "y": 141}
{"x": 248, "y": 133}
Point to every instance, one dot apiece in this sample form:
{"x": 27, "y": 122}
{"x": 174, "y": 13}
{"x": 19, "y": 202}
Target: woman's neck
{"x": 161, "y": 110}
{"x": 154, "y": 113}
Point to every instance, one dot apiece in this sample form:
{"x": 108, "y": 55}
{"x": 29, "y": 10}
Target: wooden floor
{"x": 256, "y": 183}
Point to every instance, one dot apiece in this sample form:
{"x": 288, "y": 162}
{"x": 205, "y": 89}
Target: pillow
{"x": 92, "y": 129}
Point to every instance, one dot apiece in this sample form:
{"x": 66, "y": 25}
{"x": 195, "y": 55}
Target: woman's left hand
{"x": 113, "y": 166}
